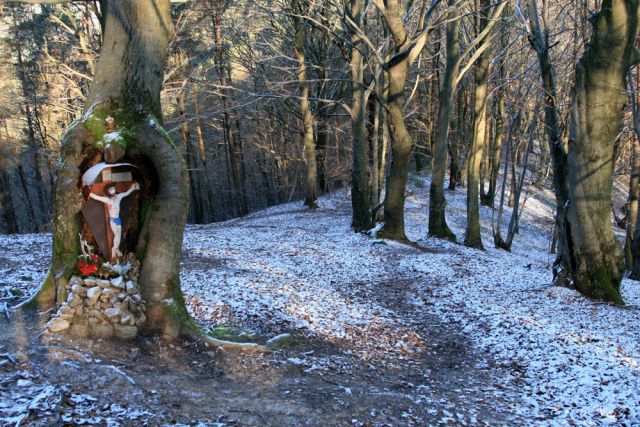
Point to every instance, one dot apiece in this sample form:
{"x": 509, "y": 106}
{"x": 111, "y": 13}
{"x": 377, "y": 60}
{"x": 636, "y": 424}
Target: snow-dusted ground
{"x": 573, "y": 361}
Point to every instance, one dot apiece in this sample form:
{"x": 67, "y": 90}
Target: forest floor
{"x": 384, "y": 333}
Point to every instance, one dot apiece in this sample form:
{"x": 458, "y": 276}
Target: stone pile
{"x": 101, "y": 308}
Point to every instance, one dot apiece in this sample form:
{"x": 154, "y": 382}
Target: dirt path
{"x": 403, "y": 365}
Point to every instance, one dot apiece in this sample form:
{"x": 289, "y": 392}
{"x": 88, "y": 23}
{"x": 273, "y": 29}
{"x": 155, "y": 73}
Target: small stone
{"x": 79, "y": 290}
{"x": 65, "y": 315}
{"x": 131, "y": 288}
{"x": 126, "y": 318}
{"x": 58, "y": 325}
{"x": 93, "y": 321}
{"x": 136, "y": 297}
{"x": 104, "y": 283}
{"x": 101, "y": 330}
{"x": 75, "y": 280}
{"x": 141, "y": 319}
{"x": 132, "y": 306}
{"x": 121, "y": 296}
{"x": 70, "y": 297}
{"x": 113, "y": 313}
{"x": 79, "y": 310}
{"x": 125, "y": 332}
{"x": 75, "y": 302}
{"x": 65, "y": 309}
{"x": 94, "y": 293}
{"x": 118, "y": 282}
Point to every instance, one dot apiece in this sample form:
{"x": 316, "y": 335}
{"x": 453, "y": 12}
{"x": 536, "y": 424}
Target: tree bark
{"x": 595, "y": 257}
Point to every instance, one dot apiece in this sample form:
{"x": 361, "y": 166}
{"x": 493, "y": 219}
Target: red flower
{"x": 87, "y": 269}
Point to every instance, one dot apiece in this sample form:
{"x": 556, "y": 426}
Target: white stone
{"x": 131, "y": 288}
{"x": 126, "y": 318}
{"x": 58, "y": 325}
{"x": 113, "y": 313}
{"x": 118, "y": 282}
{"x": 75, "y": 280}
{"x": 94, "y": 293}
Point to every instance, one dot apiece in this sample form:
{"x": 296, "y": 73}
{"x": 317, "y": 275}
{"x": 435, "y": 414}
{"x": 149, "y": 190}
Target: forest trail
{"x": 385, "y": 334}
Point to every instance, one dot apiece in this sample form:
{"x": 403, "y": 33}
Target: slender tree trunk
{"x": 360, "y": 193}
{"x": 437, "y": 221}
{"x": 472, "y": 237}
{"x": 309, "y": 143}
{"x": 233, "y": 140}
{"x": 540, "y": 42}
{"x": 6, "y": 198}
{"x": 596, "y": 262}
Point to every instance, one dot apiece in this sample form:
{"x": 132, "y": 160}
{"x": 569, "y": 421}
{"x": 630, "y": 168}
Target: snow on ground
{"x": 574, "y": 361}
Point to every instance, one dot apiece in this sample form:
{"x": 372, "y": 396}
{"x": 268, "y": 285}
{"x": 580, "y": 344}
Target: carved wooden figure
{"x": 111, "y": 204}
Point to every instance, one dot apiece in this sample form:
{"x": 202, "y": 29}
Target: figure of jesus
{"x": 112, "y": 200}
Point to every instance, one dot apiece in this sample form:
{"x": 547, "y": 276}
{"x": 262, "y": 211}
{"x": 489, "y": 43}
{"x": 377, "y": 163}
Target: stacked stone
{"x": 101, "y": 308}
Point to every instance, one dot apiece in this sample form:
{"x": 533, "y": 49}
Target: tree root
{"x": 202, "y": 337}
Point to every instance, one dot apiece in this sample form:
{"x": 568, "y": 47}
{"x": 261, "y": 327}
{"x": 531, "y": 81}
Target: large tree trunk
{"x": 401, "y": 145}
{"x": 127, "y": 87}
{"x": 437, "y": 222}
{"x": 632, "y": 245}
{"x": 595, "y": 257}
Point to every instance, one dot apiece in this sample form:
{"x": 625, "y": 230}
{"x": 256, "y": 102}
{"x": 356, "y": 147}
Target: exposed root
{"x": 202, "y": 337}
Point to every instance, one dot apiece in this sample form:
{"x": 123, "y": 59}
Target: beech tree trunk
{"x": 595, "y": 257}
{"x": 309, "y": 143}
{"x": 437, "y": 221}
{"x": 127, "y": 87}
{"x": 360, "y": 190}
{"x": 540, "y": 41}
{"x": 632, "y": 245}
{"x": 472, "y": 237}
